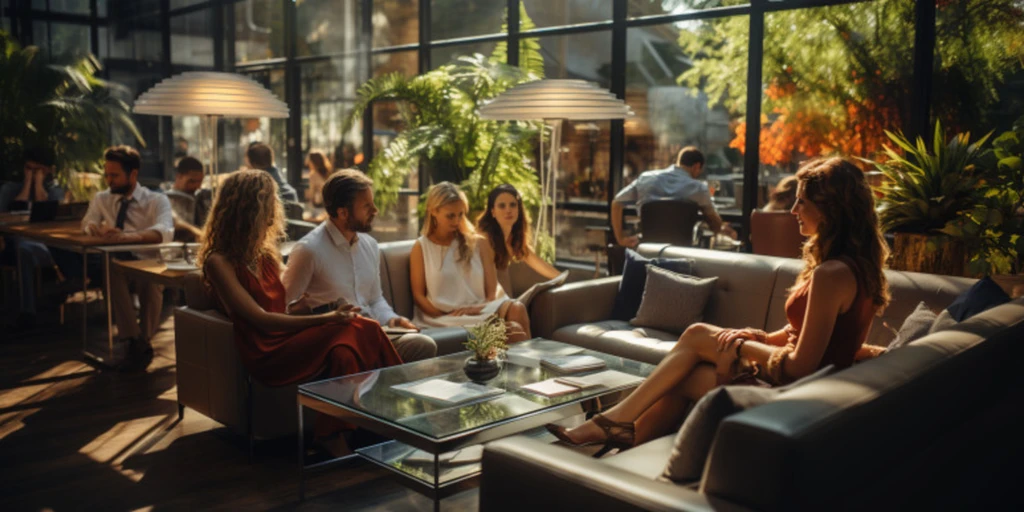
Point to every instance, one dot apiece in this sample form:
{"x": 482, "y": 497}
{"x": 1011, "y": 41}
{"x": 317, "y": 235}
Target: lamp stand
{"x": 208, "y": 134}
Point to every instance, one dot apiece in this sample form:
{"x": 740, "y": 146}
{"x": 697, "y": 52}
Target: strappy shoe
{"x": 617, "y": 435}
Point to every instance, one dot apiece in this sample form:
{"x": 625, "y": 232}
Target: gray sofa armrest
{"x": 521, "y": 473}
{"x": 573, "y": 303}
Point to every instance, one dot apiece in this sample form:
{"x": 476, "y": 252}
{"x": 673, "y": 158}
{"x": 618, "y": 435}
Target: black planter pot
{"x": 481, "y": 371}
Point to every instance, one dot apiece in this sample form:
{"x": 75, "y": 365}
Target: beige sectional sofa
{"x": 933, "y": 425}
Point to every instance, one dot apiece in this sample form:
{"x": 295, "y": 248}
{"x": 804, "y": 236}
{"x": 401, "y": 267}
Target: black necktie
{"x": 122, "y": 213}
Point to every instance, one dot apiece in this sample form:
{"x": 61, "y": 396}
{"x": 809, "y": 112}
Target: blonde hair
{"x": 444, "y": 194}
{"x": 849, "y": 225}
{"x": 246, "y": 220}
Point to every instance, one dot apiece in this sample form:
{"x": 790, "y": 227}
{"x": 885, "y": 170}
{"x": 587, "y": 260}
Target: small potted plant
{"x": 487, "y": 341}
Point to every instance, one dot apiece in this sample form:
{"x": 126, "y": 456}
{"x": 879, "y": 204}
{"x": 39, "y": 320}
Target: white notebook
{"x": 572, "y": 364}
{"x": 447, "y": 392}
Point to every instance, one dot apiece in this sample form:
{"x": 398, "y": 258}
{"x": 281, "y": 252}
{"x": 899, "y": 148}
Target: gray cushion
{"x": 672, "y": 301}
{"x": 693, "y": 442}
{"x": 942, "y": 322}
{"x": 915, "y": 326}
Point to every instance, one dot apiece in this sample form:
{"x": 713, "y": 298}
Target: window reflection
{"x": 259, "y": 30}
{"x": 328, "y": 26}
{"x": 395, "y": 22}
{"x": 192, "y": 39}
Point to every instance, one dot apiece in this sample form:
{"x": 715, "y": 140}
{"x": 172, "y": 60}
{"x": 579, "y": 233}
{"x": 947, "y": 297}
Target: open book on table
{"x": 559, "y": 386}
{"x": 446, "y": 392}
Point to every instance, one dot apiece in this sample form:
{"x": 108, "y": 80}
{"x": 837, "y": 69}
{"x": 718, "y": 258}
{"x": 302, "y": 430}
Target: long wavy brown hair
{"x": 319, "y": 163}
{"x": 849, "y": 226}
{"x": 520, "y": 235}
{"x": 441, "y": 195}
{"x": 246, "y": 220}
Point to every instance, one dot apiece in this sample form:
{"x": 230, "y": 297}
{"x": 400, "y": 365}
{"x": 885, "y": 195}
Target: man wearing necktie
{"x": 129, "y": 214}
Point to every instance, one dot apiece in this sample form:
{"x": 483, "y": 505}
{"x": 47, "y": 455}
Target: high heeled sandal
{"x": 617, "y": 435}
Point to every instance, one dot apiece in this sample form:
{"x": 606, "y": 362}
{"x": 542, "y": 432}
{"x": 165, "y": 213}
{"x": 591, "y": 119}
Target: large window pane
{"x": 177, "y": 4}
{"x": 979, "y": 69}
{"x": 328, "y": 93}
{"x": 675, "y": 110}
{"x": 450, "y": 54}
{"x": 464, "y": 18}
{"x": 395, "y": 22}
{"x": 328, "y": 26}
{"x": 135, "y": 39}
{"x": 138, "y": 79}
{"x": 657, "y": 7}
{"x": 406, "y": 63}
{"x": 553, "y": 13}
{"x": 584, "y": 159}
{"x": 61, "y": 39}
{"x": 70, "y": 6}
{"x": 259, "y": 30}
{"x": 239, "y": 133}
{"x": 192, "y": 39}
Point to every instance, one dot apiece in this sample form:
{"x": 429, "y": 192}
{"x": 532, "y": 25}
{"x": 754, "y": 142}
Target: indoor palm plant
{"x": 59, "y": 104}
{"x": 926, "y": 191}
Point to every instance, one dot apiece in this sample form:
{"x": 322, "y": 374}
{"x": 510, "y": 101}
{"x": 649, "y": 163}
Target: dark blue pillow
{"x": 634, "y": 277}
{"x": 984, "y": 295}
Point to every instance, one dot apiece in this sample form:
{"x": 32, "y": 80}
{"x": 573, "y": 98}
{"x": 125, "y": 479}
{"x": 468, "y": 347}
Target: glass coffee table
{"x": 435, "y": 449}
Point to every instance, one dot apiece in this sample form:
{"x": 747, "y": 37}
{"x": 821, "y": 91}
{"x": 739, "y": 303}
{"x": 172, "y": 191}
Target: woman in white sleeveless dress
{"x": 451, "y": 284}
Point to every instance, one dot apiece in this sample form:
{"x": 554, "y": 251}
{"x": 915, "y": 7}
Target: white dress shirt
{"x": 151, "y": 211}
{"x": 326, "y": 266}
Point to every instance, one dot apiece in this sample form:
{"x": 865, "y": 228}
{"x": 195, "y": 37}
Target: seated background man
{"x": 339, "y": 260}
{"x": 188, "y": 178}
{"x": 260, "y": 156}
{"x": 128, "y": 213}
{"x": 678, "y": 181}
{"x": 39, "y": 184}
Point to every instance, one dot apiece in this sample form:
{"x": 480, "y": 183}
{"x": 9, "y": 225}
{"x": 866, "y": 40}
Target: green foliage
{"x": 61, "y": 105}
{"x": 994, "y": 228}
{"x": 446, "y": 134}
{"x": 487, "y": 339}
{"x": 530, "y": 58}
{"x": 927, "y": 188}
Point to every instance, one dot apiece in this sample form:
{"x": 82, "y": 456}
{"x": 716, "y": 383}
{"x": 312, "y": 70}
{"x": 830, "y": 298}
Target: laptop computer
{"x": 43, "y": 211}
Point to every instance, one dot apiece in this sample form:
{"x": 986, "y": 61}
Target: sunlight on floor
{"x": 38, "y": 383}
{"x": 113, "y": 446}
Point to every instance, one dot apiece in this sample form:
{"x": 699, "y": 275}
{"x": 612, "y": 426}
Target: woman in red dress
{"x": 829, "y": 313}
{"x": 242, "y": 265}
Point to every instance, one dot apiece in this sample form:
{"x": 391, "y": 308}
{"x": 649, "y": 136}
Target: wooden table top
{"x": 155, "y": 271}
{"x": 57, "y": 233}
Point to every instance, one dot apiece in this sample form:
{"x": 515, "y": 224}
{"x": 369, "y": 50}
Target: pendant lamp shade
{"x": 208, "y": 93}
{"x": 574, "y": 100}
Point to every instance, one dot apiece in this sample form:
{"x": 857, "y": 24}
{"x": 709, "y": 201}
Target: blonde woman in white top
{"x": 451, "y": 284}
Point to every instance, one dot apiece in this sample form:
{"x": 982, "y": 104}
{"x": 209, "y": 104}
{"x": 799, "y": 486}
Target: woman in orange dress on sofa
{"x": 829, "y": 313}
{"x": 241, "y": 263}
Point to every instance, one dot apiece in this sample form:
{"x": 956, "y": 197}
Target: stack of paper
{"x": 447, "y": 392}
{"x": 565, "y": 385}
{"x": 571, "y": 364}
{"x": 530, "y": 356}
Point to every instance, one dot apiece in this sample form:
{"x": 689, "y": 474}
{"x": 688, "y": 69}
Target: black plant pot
{"x": 481, "y": 371}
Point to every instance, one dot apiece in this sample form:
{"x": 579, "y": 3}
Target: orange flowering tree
{"x": 836, "y": 77}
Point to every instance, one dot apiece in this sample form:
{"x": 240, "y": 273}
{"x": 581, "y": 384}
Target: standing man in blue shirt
{"x": 678, "y": 181}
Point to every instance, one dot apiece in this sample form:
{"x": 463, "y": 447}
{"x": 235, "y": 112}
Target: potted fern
{"x": 925, "y": 193}
{"x": 487, "y": 340}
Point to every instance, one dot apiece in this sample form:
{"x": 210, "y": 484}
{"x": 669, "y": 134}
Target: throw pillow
{"x": 634, "y": 277}
{"x": 983, "y": 295}
{"x": 672, "y": 301}
{"x": 942, "y": 322}
{"x": 693, "y": 442}
{"x": 915, "y": 326}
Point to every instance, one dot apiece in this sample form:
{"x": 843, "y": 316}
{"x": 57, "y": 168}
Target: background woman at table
{"x": 319, "y": 169}
{"x": 505, "y": 226}
{"x": 454, "y": 282}
{"x": 242, "y": 265}
{"x": 829, "y": 314}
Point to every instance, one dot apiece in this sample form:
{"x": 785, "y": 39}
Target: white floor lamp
{"x": 553, "y": 101}
{"x": 210, "y": 95}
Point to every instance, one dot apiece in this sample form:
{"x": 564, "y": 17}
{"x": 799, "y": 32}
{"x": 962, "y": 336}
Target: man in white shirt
{"x": 127, "y": 214}
{"x": 678, "y": 181}
{"x": 339, "y": 260}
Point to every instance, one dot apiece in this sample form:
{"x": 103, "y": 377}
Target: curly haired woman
{"x": 829, "y": 312}
{"x": 242, "y": 265}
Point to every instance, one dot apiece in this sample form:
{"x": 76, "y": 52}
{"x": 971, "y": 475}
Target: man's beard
{"x": 360, "y": 226}
{"x": 124, "y": 190}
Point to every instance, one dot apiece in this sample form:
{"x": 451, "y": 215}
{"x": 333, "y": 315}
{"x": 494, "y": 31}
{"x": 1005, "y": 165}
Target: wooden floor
{"x": 76, "y": 438}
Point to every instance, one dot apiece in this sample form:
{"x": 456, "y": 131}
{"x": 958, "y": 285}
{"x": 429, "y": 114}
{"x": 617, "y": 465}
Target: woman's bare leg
{"x": 696, "y": 345}
{"x": 666, "y": 414}
{"x": 515, "y": 311}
